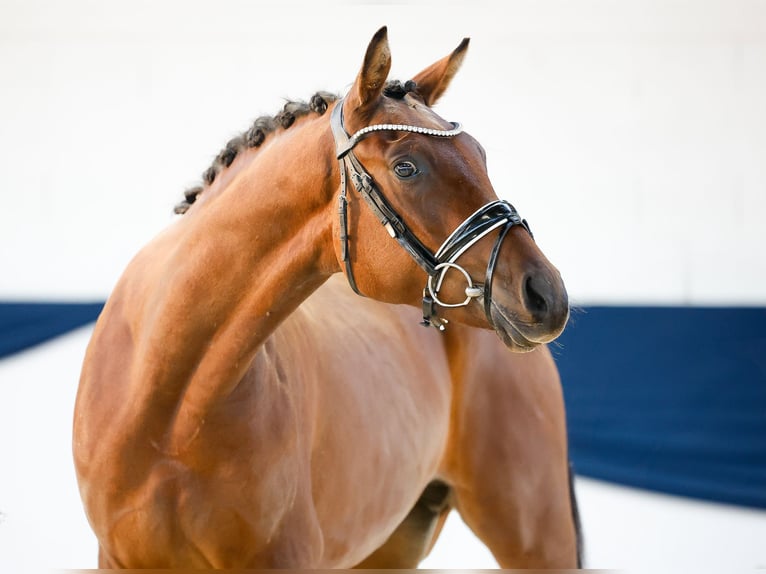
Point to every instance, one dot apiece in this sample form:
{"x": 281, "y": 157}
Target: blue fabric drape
{"x": 669, "y": 399}
{"x": 24, "y": 325}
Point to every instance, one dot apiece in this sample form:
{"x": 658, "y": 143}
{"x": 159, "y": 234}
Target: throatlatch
{"x": 498, "y": 214}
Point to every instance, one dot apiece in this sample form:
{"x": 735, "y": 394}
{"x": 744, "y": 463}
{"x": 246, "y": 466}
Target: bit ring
{"x": 471, "y": 291}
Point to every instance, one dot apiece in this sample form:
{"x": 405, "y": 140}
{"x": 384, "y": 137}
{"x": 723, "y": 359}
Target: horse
{"x": 241, "y": 406}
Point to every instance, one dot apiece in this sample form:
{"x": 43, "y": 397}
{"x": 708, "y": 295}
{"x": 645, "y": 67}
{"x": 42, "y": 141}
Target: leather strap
{"x": 363, "y": 183}
{"x": 491, "y": 269}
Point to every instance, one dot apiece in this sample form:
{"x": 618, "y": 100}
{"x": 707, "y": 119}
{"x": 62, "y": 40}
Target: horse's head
{"x": 426, "y": 182}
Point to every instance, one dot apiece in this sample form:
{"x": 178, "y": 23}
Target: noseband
{"x": 498, "y": 214}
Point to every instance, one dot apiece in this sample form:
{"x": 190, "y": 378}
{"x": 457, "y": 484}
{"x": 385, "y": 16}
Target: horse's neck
{"x": 228, "y": 273}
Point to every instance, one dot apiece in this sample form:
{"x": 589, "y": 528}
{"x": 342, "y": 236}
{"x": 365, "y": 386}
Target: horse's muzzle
{"x": 537, "y": 312}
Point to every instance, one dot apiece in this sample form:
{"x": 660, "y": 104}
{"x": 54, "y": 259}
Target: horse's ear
{"x": 372, "y": 77}
{"x": 434, "y": 80}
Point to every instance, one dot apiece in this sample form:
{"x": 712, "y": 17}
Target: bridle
{"x": 498, "y": 214}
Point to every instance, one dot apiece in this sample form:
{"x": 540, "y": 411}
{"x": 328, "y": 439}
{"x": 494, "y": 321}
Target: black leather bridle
{"x": 498, "y": 214}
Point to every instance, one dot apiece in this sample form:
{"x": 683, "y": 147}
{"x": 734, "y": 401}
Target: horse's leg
{"x": 415, "y": 536}
{"x": 507, "y": 457}
{"x": 576, "y": 517}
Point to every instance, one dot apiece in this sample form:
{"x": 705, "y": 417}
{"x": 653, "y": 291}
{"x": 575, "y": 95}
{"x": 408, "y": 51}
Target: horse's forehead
{"x": 411, "y": 110}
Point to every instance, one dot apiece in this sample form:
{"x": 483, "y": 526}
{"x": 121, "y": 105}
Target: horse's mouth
{"x": 508, "y": 332}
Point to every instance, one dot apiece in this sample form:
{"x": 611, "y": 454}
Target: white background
{"x": 631, "y": 134}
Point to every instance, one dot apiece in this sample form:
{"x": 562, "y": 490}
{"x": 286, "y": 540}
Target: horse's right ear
{"x": 372, "y": 77}
{"x": 434, "y": 80}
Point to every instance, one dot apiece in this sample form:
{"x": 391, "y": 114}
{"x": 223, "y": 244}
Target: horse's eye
{"x": 405, "y": 169}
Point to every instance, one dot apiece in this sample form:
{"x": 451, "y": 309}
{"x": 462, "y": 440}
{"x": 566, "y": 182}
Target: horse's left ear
{"x": 434, "y": 80}
{"x": 372, "y": 77}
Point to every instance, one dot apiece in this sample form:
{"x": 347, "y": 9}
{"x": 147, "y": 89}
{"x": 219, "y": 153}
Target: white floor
{"x": 42, "y": 523}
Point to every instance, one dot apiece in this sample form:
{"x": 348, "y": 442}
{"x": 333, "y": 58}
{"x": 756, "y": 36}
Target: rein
{"x": 498, "y": 214}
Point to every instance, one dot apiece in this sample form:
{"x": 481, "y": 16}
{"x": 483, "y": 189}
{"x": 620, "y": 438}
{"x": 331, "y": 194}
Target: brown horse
{"x": 237, "y": 409}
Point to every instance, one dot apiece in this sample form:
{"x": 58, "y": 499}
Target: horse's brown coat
{"x": 237, "y": 409}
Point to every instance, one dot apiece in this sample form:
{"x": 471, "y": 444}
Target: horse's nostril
{"x": 535, "y": 301}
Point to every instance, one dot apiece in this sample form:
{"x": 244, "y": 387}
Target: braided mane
{"x": 257, "y": 133}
